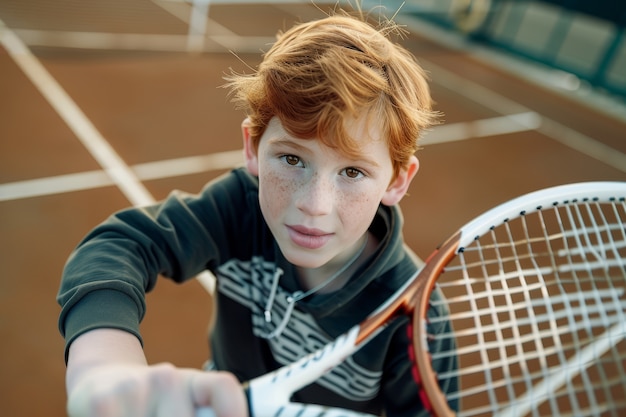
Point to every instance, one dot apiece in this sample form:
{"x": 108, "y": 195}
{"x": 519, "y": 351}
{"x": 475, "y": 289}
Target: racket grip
{"x": 205, "y": 412}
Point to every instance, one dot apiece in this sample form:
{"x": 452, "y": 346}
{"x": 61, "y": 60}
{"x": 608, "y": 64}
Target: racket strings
{"x": 596, "y": 245}
{"x": 575, "y": 389}
{"x": 530, "y": 303}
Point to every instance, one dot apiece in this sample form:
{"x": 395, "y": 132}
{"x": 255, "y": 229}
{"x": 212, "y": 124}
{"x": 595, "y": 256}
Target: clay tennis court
{"x": 90, "y": 124}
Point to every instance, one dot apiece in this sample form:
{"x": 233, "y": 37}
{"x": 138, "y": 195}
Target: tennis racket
{"x": 535, "y": 292}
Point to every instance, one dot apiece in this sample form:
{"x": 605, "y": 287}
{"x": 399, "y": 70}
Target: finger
{"x": 222, "y": 392}
{"x": 174, "y": 396}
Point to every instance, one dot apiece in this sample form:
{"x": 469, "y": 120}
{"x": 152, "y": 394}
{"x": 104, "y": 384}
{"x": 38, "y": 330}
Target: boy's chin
{"x": 304, "y": 259}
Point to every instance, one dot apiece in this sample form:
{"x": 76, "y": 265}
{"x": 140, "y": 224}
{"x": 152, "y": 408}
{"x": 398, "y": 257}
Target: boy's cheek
{"x": 275, "y": 194}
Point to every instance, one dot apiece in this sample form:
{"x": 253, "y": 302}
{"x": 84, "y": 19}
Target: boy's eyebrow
{"x": 369, "y": 161}
{"x": 284, "y": 141}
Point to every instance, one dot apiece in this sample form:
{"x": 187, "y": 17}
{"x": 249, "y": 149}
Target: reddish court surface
{"x": 155, "y": 107}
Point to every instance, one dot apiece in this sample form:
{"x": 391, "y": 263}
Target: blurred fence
{"x": 585, "y": 38}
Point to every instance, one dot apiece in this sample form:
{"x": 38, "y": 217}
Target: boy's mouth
{"x": 308, "y": 238}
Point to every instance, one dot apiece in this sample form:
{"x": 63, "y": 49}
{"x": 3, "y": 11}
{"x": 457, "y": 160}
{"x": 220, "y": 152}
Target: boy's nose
{"x": 315, "y": 197}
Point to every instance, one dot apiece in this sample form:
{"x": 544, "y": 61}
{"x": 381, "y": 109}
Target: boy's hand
{"x": 108, "y": 377}
{"x": 155, "y": 391}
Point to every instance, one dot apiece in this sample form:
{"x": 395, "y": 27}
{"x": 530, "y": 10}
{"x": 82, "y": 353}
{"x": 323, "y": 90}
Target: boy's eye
{"x": 292, "y": 160}
{"x": 352, "y": 173}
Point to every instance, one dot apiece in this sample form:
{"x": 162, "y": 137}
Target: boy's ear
{"x": 249, "y": 151}
{"x": 398, "y": 188}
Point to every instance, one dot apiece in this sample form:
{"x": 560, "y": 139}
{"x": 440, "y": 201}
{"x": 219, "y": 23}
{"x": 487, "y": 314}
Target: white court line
{"x": 230, "y": 159}
{"x": 88, "y": 180}
{"x": 188, "y": 165}
{"x": 75, "y": 119}
{"x": 140, "y": 41}
{"x": 583, "y": 144}
{"x": 116, "y": 169}
{"x": 54, "y": 185}
{"x": 494, "y": 126}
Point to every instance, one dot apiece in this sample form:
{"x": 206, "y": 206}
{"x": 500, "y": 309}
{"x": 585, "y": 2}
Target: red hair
{"x": 320, "y": 74}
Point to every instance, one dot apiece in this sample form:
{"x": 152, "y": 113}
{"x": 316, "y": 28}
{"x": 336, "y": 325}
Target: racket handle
{"x": 205, "y": 412}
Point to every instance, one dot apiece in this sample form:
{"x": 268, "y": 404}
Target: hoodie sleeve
{"x": 106, "y": 277}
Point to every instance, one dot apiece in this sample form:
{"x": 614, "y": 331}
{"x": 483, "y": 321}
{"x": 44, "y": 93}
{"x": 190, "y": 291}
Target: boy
{"x": 305, "y": 241}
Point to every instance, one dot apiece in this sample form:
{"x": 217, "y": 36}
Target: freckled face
{"x": 317, "y": 202}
